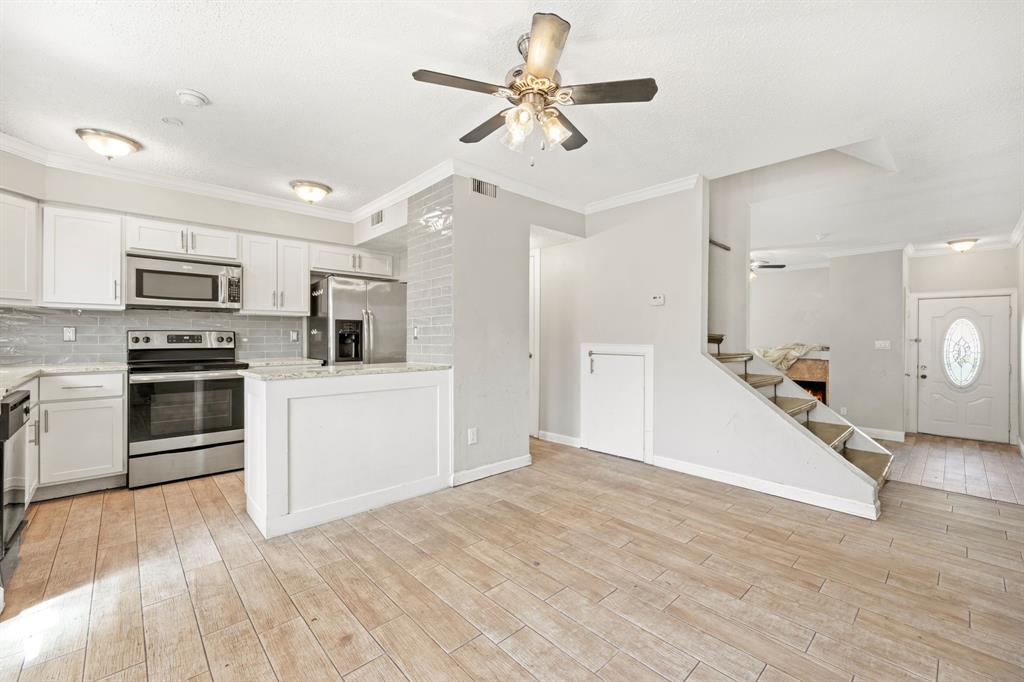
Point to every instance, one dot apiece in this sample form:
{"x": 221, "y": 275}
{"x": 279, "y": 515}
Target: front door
{"x": 964, "y": 367}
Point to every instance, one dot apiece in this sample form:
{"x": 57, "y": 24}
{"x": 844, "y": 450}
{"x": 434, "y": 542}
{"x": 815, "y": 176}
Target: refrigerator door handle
{"x": 367, "y": 338}
{"x": 369, "y": 314}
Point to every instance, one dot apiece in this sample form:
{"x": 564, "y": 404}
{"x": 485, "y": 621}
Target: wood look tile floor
{"x": 580, "y": 567}
{"x": 991, "y": 470}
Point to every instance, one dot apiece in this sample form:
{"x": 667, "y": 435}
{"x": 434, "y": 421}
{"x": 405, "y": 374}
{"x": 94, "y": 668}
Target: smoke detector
{"x": 192, "y": 98}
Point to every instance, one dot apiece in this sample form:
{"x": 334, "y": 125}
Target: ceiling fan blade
{"x": 547, "y": 38}
{"x": 576, "y": 140}
{"x": 769, "y": 266}
{"x": 485, "y": 128}
{"x": 436, "y": 78}
{"x": 638, "y": 90}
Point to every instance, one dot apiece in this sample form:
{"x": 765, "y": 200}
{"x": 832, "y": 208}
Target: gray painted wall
{"x": 958, "y": 272}
{"x": 34, "y": 335}
{"x": 866, "y": 303}
{"x": 789, "y": 306}
{"x": 492, "y": 382}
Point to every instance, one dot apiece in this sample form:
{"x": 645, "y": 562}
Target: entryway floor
{"x": 991, "y": 470}
{"x": 582, "y": 566}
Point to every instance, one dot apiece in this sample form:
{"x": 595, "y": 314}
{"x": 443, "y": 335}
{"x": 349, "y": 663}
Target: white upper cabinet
{"x": 343, "y": 259}
{"x": 19, "y": 235}
{"x": 82, "y": 259}
{"x": 275, "y": 276}
{"x": 149, "y": 234}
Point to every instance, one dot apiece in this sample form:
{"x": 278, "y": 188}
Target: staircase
{"x": 833, "y": 431}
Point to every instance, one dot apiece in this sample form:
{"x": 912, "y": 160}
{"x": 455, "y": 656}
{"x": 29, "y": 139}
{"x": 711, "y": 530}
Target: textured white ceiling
{"x": 322, "y": 90}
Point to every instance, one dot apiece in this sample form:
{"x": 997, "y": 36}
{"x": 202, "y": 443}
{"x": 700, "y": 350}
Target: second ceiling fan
{"x": 535, "y": 87}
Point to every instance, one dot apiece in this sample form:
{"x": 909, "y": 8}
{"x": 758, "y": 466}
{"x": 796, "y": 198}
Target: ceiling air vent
{"x": 377, "y": 218}
{"x": 485, "y": 188}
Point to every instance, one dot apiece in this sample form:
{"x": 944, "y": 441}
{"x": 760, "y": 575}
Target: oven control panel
{"x": 151, "y": 340}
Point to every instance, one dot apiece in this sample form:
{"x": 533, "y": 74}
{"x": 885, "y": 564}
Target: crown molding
{"x": 471, "y": 170}
{"x": 405, "y": 190}
{"x": 863, "y": 250}
{"x": 670, "y": 187}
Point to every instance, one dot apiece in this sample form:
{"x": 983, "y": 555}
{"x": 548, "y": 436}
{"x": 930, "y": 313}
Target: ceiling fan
{"x": 535, "y": 87}
{"x": 761, "y": 264}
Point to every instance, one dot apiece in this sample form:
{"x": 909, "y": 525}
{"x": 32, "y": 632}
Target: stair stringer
{"x": 738, "y": 441}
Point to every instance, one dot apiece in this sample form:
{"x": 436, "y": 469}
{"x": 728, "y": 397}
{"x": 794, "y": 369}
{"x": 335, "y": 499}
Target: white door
{"x": 18, "y": 236}
{"x": 534, "y": 342}
{"x": 149, "y": 234}
{"x": 81, "y": 258}
{"x": 292, "y": 277}
{"x": 612, "y": 404}
{"x": 211, "y": 243}
{"x": 259, "y": 273}
{"x": 964, "y": 367}
{"x": 81, "y": 439}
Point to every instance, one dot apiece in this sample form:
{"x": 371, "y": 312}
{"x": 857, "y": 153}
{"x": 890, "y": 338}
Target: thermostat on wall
{"x": 658, "y": 299}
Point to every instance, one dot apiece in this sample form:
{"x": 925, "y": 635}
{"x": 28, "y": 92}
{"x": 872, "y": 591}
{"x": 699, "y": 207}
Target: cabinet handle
{"x": 46, "y": 421}
{"x": 353, "y": 261}
{"x": 193, "y": 236}
{"x": 183, "y": 247}
{"x": 273, "y": 298}
{"x": 360, "y": 261}
{"x": 115, "y": 290}
{"x": 281, "y": 299}
{"x": 73, "y": 388}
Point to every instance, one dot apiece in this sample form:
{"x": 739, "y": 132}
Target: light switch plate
{"x": 70, "y": 333}
{"x": 883, "y": 344}
{"x": 471, "y": 435}
{"x": 293, "y": 335}
{"x": 658, "y": 299}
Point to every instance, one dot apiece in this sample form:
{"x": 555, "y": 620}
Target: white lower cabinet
{"x": 81, "y": 439}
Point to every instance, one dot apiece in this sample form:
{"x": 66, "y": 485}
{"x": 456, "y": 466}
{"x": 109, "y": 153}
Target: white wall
{"x": 995, "y": 269}
{"x": 866, "y": 303}
{"x": 706, "y": 421}
{"x": 491, "y": 343}
{"x": 789, "y": 306}
{"x": 56, "y": 185}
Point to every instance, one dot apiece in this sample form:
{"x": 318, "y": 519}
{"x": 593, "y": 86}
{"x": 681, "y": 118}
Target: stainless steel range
{"x": 186, "y": 413}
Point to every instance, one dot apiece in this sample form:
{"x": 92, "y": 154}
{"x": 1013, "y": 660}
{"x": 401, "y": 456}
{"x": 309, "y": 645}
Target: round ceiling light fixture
{"x": 192, "y": 98}
{"x": 962, "y": 245}
{"x": 106, "y": 143}
{"x": 309, "y": 191}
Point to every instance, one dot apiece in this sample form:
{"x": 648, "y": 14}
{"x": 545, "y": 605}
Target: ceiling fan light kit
{"x": 534, "y": 88}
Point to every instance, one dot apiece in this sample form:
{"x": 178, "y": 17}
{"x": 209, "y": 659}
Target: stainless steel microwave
{"x": 168, "y": 283}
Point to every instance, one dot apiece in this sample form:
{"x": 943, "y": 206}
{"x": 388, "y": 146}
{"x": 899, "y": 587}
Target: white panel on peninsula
{"x": 322, "y": 443}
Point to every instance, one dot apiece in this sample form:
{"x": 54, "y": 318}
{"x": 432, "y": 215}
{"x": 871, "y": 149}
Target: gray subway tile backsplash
{"x": 430, "y": 273}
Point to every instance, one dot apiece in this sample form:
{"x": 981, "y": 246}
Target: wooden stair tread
{"x": 874, "y": 464}
{"x": 715, "y": 338}
{"x": 832, "y": 435}
{"x": 733, "y": 357}
{"x": 794, "y": 406}
{"x": 762, "y": 380}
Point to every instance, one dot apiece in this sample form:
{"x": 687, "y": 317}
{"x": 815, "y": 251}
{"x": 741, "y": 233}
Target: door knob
{"x": 924, "y": 376}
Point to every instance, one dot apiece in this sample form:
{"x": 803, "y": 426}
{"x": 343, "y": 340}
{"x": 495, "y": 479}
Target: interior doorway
{"x": 963, "y": 372}
{"x": 535, "y": 342}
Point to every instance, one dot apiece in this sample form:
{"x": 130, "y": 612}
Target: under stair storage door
{"x": 964, "y": 367}
{"x": 616, "y": 400}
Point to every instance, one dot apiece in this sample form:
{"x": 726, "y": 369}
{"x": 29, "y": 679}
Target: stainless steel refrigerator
{"x": 356, "y": 320}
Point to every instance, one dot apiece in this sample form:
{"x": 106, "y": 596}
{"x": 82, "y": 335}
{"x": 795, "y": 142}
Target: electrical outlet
{"x": 842, "y": 411}
{"x": 658, "y": 299}
{"x": 883, "y": 344}
{"x": 293, "y": 335}
{"x": 471, "y": 435}
{"x": 70, "y": 333}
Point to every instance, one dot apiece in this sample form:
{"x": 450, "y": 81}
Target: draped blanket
{"x": 783, "y": 357}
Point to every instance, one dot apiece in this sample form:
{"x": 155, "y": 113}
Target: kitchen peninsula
{"x": 326, "y": 442}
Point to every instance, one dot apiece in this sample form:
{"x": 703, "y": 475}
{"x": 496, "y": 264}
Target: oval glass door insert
{"x": 961, "y": 353}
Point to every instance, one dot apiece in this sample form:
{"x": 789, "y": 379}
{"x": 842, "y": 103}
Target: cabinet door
{"x": 259, "y": 273}
{"x": 333, "y": 258}
{"x": 32, "y": 455}
{"x": 148, "y": 234}
{"x": 18, "y": 235}
{"x": 292, "y": 277}
{"x": 374, "y": 264}
{"x": 81, "y": 258}
{"x": 211, "y": 243}
{"x": 81, "y": 439}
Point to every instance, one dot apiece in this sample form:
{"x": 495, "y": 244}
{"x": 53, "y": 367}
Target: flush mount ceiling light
{"x": 962, "y": 245}
{"x": 535, "y": 87}
{"x": 106, "y": 143}
{"x": 309, "y": 191}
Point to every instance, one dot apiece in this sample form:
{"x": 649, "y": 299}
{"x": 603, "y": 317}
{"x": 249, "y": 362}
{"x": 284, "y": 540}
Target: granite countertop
{"x": 281, "y": 362}
{"x": 12, "y": 376}
{"x": 283, "y": 373}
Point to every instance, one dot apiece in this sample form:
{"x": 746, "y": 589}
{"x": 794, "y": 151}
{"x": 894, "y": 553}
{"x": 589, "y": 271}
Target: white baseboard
{"x": 863, "y": 509}
{"x": 460, "y": 477}
{"x": 571, "y": 441}
{"x": 884, "y": 434}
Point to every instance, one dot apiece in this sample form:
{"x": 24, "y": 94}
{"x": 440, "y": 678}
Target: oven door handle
{"x": 183, "y": 376}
